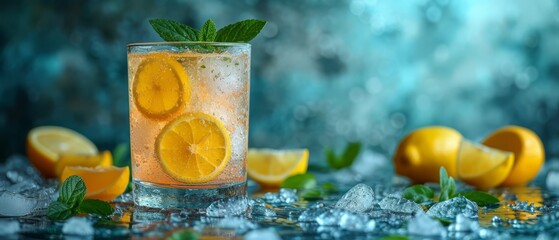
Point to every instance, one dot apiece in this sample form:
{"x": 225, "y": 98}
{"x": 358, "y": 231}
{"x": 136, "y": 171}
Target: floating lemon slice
{"x": 104, "y": 159}
{"x": 529, "y": 153}
{"x": 483, "y": 167}
{"x": 161, "y": 86}
{"x": 194, "y": 148}
{"x": 103, "y": 183}
{"x": 45, "y": 144}
{"x": 271, "y": 167}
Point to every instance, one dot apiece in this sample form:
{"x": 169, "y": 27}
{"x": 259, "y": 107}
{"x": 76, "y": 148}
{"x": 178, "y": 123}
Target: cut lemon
{"x": 161, "y": 86}
{"x": 529, "y": 153}
{"x": 45, "y": 144}
{"x": 103, "y": 183}
{"x": 194, "y": 148}
{"x": 104, "y": 159}
{"x": 271, "y": 167}
{"x": 483, "y": 167}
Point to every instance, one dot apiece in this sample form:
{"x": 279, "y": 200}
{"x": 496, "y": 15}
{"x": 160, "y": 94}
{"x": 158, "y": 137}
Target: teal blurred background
{"x": 324, "y": 72}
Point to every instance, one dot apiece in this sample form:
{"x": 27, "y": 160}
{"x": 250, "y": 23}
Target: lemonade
{"x": 188, "y": 122}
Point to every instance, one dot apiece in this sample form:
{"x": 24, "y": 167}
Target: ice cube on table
{"x": 8, "y": 227}
{"x": 358, "y": 199}
{"x": 449, "y": 209}
{"x": 78, "y": 226}
{"x": 267, "y": 234}
{"x": 262, "y": 212}
{"x": 463, "y": 224}
{"x": 402, "y": 205}
{"x": 285, "y": 195}
{"x": 233, "y": 206}
{"x": 311, "y": 214}
{"x": 353, "y": 221}
{"x": 423, "y": 225}
{"x": 239, "y": 224}
{"x": 15, "y": 205}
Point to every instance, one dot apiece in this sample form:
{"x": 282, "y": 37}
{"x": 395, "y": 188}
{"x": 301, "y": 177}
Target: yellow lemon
{"x": 194, "y": 148}
{"x": 528, "y": 152}
{"x": 483, "y": 167}
{"x": 104, "y": 159}
{"x": 45, "y": 144}
{"x": 271, "y": 167}
{"x": 161, "y": 86}
{"x": 420, "y": 154}
{"x": 103, "y": 183}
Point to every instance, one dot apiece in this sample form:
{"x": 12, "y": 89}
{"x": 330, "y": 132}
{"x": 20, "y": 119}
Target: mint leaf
{"x": 242, "y": 31}
{"x": 395, "y": 237}
{"x": 173, "y": 31}
{"x": 481, "y": 198}
{"x": 447, "y": 185}
{"x": 207, "y": 33}
{"x": 59, "y": 211}
{"x": 184, "y": 235}
{"x": 120, "y": 155}
{"x": 72, "y": 191}
{"x": 300, "y": 181}
{"x": 94, "y": 206}
{"x": 346, "y": 159}
{"x": 418, "y": 194}
{"x": 329, "y": 187}
{"x": 313, "y": 194}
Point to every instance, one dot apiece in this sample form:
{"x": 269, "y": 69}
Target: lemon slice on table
{"x": 45, "y": 144}
{"x": 481, "y": 166}
{"x": 103, "y": 183}
{"x": 271, "y": 167}
{"x": 529, "y": 153}
{"x": 104, "y": 159}
{"x": 194, "y": 148}
{"x": 161, "y": 86}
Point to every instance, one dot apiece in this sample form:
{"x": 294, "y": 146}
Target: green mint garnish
{"x": 173, "y": 31}
{"x": 424, "y": 195}
{"x": 72, "y": 191}
{"x": 419, "y": 194}
{"x": 208, "y": 32}
{"x": 95, "y": 206}
{"x": 481, "y": 198}
{"x": 344, "y": 160}
{"x": 184, "y": 235}
{"x": 300, "y": 181}
{"x": 70, "y": 201}
{"x": 447, "y": 185}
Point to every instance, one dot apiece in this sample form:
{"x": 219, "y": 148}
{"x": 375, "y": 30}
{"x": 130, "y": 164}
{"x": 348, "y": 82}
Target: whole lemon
{"x": 422, "y": 152}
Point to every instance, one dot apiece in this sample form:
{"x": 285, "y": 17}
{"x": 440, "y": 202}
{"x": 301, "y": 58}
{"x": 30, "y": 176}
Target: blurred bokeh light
{"x": 324, "y": 72}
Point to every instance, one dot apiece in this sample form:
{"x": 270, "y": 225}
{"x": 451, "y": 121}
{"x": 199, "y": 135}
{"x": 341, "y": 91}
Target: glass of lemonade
{"x": 188, "y": 122}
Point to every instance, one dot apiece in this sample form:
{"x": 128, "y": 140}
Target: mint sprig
{"x": 173, "y": 31}
{"x": 308, "y": 187}
{"x": 346, "y": 158}
{"x": 70, "y": 201}
{"x": 424, "y": 195}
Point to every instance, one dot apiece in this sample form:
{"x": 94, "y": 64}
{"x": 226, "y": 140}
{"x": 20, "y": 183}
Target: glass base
{"x": 157, "y": 196}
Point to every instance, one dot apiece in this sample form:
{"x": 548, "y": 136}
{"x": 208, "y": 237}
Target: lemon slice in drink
{"x": 161, "y": 86}
{"x": 194, "y": 148}
{"x": 271, "y": 167}
{"x": 481, "y": 166}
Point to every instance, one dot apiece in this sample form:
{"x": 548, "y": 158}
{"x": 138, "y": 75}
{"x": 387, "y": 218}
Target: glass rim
{"x": 218, "y": 44}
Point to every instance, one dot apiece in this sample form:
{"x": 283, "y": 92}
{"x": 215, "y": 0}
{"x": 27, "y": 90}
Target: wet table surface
{"x": 523, "y": 213}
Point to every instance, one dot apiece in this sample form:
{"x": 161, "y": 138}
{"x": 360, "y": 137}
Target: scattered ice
{"x": 345, "y": 220}
{"x": 463, "y": 224}
{"x": 354, "y": 222}
{"x": 316, "y": 205}
{"x": 8, "y": 227}
{"x": 449, "y": 209}
{"x": 181, "y": 216}
{"x": 402, "y": 205}
{"x": 268, "y": 234}
{"x": 358, "y": 199}
{"x": 228, "y": 207}
{"x": 78, "y": 226}
{"x": 262, "y": 212}
{"x": 257, "y": 202}
{"x": 311, "y": 214}
{"x": 285, "y": 195}
{"x": 423, "y": 225}
{"x": 331, "y": 217}
{"x": 15, "y": 205}
{"x": 239, "y": 224}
